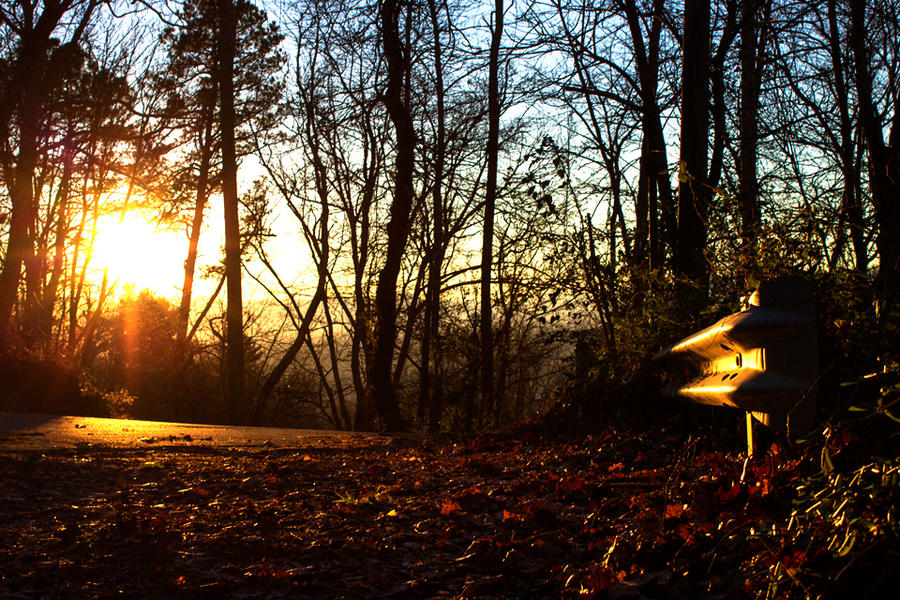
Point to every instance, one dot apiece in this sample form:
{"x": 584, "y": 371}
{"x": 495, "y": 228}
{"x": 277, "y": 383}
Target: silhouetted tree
{"x": 693, "y": 190}
{"x": 234, "y": 329}
{"x": 32, "y": 72}
{"x": 397, "y": 57}
{"x": 189, "y": 79}
{"x": 883, "y": 156}
{"x": 490, "y": 201}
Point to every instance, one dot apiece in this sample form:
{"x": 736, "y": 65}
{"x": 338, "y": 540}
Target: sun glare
{"x": 136, "y": 253}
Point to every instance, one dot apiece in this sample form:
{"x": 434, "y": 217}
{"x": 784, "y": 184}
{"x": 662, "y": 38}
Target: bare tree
{"x": 755, "y": 27}
{"x": 654, "y": 188}
{"x": 883, "y": 157}
{"x": 490, "y": 201}
{"x": 851, "y": 206}
{"x": 33, "y": 28}
{"x": 397, "y": 57}
{"x": 431, "y": 383}
{"x": 693, "y": 191}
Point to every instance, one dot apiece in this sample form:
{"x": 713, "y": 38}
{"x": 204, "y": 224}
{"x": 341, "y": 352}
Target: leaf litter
{"x": 614, "y": 515}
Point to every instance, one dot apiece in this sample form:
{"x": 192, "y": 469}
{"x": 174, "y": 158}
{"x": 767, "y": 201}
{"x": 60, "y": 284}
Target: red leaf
{"x": 794, "y": 559}
{"x": 685, "y": 533}
{"x": 673, "y": 511}
{"x": 264, "y": 570}
{"x": 571, "y": 484}
{"x": 540, "y": 511}
{"x": 599, "y": 580}
{"x": 471, "y": 492}
{"x": 450, "y": 506}
{"x": 470, "y": 498}
{"x": 727, "y": 495}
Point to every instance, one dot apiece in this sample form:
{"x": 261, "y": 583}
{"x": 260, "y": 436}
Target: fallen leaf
{"x": 450, "y": 506}
{"x": 674, "y": 511}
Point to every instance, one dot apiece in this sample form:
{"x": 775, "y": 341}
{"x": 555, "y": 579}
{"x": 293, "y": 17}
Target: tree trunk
{"x": 435, "y": 382}
{"x": 883, "y": 164}
{"x": 20, "y": 241}
{"x": 190, "y": 263}
{"x": 693, "y": 193}
{"x": 490, "y": 200}
{"x": 74, "y": 292}
{"x": 642, "y": 209}
{"x": 851, "y": 209}
{"x": 290, "y": 354}
{"x": 717, "y": 83}
{"x": 234, "y": 335}
{"x": 430, "y": 391}
{"x": 752, "y": 44}
{"x": 654, "y": 191}
{"x": 28, "y": 90}
{"x": 322, "y": 254}
{"x": 383, "y": 394}
{"x": 49, "y": 295}
{"x": 360, "y": 350}
{"x": 660, "y": 164}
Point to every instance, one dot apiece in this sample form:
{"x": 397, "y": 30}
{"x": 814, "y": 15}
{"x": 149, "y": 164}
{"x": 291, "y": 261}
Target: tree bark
{"x": 752, "y": 45}
{"x": 49, "y": 295}
{"x": 693, "y": 192}
{"x": 883, "y": 165}
{"x": 659, "y": 161}
{"x": 717, "y": 84}
{"x": 190, "y": 263}
{"x": 383, "y": 394}
{"x": 430, "y": 391}
{"x": 490, "y": 201}
{"x": 654, "y": 190}
{"x": 851, "y": 209}
{"x": 28, "y": 90}
{"x": 234, "y": 335}
{"x": 361, "y": 351}
{"x": 20, "y": 241}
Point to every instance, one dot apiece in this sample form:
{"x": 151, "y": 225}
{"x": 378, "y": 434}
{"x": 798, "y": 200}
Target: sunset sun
{"x": 137, "y": 253}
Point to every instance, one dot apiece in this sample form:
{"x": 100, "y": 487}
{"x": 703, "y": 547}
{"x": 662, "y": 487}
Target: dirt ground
{"x": 610, "y": 515}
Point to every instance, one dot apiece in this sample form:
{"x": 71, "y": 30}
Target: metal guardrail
{"x": 762, "y": 359}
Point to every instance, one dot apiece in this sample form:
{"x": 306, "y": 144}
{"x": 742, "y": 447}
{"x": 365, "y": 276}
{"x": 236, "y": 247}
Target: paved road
{"x": 37, "y": 432}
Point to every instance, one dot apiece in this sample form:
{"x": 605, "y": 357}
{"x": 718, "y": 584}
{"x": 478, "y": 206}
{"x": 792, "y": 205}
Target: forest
{"x": 454, "y": 233}
{"x": 430, "y": 215}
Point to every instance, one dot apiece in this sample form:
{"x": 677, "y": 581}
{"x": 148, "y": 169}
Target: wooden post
{"x": 749, "y": 434}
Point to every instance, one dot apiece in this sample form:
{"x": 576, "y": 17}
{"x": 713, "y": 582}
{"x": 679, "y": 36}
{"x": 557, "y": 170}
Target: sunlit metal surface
{"x": 762, "y": 359}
